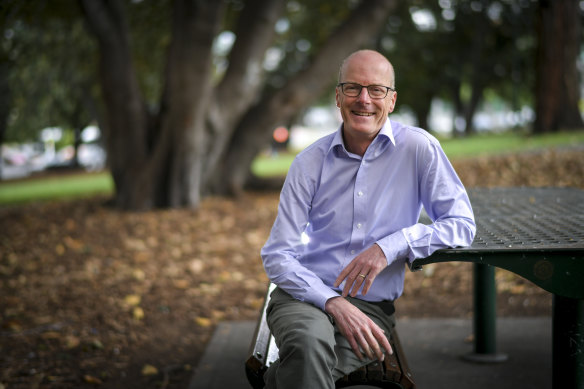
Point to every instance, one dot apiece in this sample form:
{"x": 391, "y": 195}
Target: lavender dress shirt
{"x": 335, "y": 204}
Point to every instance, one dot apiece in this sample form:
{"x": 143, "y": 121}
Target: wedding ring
{"x": 362, "y": 275}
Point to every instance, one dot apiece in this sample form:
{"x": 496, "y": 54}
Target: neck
{"x": 357, "y": 145}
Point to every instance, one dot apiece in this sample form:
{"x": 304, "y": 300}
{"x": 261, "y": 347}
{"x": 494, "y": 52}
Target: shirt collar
{"x": 386, "y": 132}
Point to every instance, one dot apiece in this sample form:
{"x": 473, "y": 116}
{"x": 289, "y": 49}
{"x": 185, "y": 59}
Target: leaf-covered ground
{"x": 92, "y": 297}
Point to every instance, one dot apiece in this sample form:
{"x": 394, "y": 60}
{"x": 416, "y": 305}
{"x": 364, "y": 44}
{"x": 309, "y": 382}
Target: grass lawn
{"x": 485, "y": 144}
{"x": 89, "y": 184}
{"x": 55, "y": 187}
{"x": 508, "y": 142}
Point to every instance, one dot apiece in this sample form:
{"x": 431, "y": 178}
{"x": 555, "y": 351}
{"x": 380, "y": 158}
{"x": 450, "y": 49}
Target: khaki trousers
{"x": 313, "y": 353}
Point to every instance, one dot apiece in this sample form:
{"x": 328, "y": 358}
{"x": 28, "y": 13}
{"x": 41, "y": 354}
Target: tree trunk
{"x": 479, "y": 65}
{"x": 155, "y": 161}
{"x": 557, "y": 80}
{"x": 203, "y": 140}
{"x": 471, "y": 107}
{"x": 255, "y": 128}
{"x": 422, "y": 109}
{"x": 180, "y": 134}
{"x": 125, "y": 120}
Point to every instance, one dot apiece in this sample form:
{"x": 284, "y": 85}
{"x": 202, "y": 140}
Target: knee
{"x": 310, "y": 346}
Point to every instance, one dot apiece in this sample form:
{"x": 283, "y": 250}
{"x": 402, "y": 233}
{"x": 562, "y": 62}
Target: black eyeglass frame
{"x": 387, "y": 89}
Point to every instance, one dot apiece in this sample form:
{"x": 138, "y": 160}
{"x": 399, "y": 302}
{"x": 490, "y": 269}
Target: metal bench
{"x": 392, "y": 373}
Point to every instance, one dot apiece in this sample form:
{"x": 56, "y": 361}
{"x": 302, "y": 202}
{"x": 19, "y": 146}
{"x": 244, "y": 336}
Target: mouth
{"x": 365, "y": 114}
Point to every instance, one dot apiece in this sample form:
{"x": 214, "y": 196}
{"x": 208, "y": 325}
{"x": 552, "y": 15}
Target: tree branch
{"x": 254, "y": 32}
{"x": 303, "y": 88}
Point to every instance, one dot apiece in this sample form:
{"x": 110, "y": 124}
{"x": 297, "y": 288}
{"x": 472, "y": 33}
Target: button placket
{"x": 359, "y": 207}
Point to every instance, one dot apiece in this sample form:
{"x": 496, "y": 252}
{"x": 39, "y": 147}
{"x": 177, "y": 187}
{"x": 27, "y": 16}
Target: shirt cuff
{"x": 394, "y": 246}
{"x": 320, "y": 297}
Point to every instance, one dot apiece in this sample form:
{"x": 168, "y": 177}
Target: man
{"x": 347, "y": 223}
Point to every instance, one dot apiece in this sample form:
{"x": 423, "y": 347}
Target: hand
{"x": 368, "y": 264}
{"x": 361, "y": 332}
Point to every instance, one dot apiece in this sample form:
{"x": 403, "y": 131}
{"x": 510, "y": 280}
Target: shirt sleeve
{"x": 284, "y": 246}
{"x": 447, "y": 204}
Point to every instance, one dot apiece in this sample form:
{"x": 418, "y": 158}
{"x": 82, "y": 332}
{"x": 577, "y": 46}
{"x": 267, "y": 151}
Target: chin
{"x": 366, "y": 128}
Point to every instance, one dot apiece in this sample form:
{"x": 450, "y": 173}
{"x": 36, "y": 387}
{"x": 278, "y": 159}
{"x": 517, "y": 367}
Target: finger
{"x": 380, "y": 340}
{"x": 366, "y": 346}
{"x": 375, "y": 349}
{"x": 368, "y": 283}
{"x": 359, "y": 279}
{"x": 384, "y": 342}
{"x": 356, "y": 349}
{"x": 353, "y": 283}
{"x": 344, "y": 274}
{"x": 349, "y": 281}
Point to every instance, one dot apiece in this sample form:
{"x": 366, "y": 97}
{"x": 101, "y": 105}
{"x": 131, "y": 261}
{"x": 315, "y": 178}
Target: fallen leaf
{"x": 142, "y": 256}
{"x": 138, "y": 274}
{"x": 51, "y": 335}
{"x": 60, "y": 249}
{"x": 224, "y": 276}
{"x": 138, "y": 313}
{"x": 74, "y": 244}
{"x": 518, "y": 289}
{"x": 196, "y": 266}
{"x": 96, "y": 343}
{"x": 181, "y": 284}
{"x": 149, "y": 370}
{"x": 12, "y": 325}
{"x": 71, "y": 342}
{"x": 203, "y": 321}
{"x": 92, "y": 380}
{"x": 135, "y": 244}
{"x": 132, "y": 299}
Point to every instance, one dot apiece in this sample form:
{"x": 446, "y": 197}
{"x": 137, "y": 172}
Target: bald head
{"x": 370, "y": 59}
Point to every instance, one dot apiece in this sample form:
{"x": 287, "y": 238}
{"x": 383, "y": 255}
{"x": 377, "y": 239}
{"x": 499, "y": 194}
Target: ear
{"x": 392, "y": 102}
{"x": 337, "y": 97}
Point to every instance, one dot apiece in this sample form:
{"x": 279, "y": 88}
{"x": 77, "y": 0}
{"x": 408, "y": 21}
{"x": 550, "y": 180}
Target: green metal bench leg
{"x": 485, "y": 316}
{"x": 568, "y": 343}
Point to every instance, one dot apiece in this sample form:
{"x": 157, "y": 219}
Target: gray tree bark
{"x": 204, "y": 137}
{"x": 299, "y": 91}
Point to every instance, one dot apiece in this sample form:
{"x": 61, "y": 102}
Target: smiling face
{"x": 363, "y": 116}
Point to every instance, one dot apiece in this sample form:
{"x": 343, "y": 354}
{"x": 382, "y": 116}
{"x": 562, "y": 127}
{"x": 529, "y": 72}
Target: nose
{"x": 364, "y": 95}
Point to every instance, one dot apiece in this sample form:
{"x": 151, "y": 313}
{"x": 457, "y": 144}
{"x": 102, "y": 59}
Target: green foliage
{"x": 53, "y": 76}
{"x": 465, "y": 47}
{"x": 150, "y": 31}
{"x": 52, "y": 69}
{"x": 483, "y": 45}
{"x": 304, "y": 28}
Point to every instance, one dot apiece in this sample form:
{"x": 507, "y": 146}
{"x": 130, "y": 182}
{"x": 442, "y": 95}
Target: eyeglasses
{"x": 352, "y": 89}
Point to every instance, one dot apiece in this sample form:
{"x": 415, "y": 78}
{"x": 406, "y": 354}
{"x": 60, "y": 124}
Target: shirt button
{"x": 360, "y": 194}
{"x": 352, "y": 251}
{"x": 359, "y": 225}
